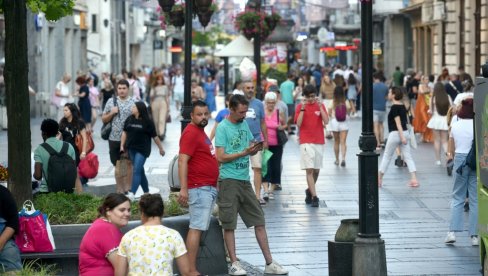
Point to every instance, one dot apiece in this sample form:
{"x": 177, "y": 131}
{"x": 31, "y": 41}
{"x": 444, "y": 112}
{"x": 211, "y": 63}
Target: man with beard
{"x": 235, "y": 142}
{"x": 198, "y": 171}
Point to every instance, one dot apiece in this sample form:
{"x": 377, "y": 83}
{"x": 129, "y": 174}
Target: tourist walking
{"x": 136, "y": 141}
{"x": 275, "y": 120}
{"x": 94, "y": 101}
{"x": 116, "y": 113}
{"x": 198, "y": 171}
{"x": 84, "y": 101}
{"x": 461, "y": 139}
{"x": 422, "y": 115}
{"x": 338, "y": 110}
{"x": 380, "y": 96}
{"x": 439, "y": 105}
{"x": 61, "y": 95}
{"x": 352, "y": 92}
{"x": 159, "y": 102}
{"x": 235, "y": 142}
{"x": 211, "y": 89}
{"x": 398, "y": 137}
{"x": 311, "y": 117}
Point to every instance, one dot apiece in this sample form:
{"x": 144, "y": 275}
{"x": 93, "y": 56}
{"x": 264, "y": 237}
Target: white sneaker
{"x": 131, "y": 196}
{"x": 275, "y": 268}
{"x": 438, "y": 162}
{"x": 236, "y": 269}
{"x": 475, "y": 241}
{"x": 450, "y": 238}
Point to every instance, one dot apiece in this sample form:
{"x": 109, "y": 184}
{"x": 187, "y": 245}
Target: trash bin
{"x": 340, "y": 250}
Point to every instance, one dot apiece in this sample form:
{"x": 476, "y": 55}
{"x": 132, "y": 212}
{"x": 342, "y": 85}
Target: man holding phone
{"x": 311, "y": 117}
{"x": 235, "y": 143}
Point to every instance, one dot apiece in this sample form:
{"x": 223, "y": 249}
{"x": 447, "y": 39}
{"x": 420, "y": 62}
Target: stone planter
{"x": 211, "y": 256}
{"x": 341, "y": 249}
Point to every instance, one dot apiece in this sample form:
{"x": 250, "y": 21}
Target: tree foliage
{"x": 53, "y": 9}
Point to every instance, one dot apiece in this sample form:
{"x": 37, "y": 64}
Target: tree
{"x": 16, "y": 86}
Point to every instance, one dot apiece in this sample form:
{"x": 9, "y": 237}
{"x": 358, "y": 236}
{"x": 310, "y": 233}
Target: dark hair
{"x": 151, "y": 205}
{"x": 81, "y": 80}
{"x": 123, "y": 82}
{"x": 466, "y": 111}
{"x": 309, "y": 89}
{"x": 50, "y": 127}
{"x": 76, "y": 117}
{"x": 351, "y": 79}
{"x": 442, "y": 102}
{"x": 431, "y": 78}
{"x": 198, "y": 103}
{"x": 397, "y": 93}
{"x": 111, "y": 201}
{"x": 339, "y": 96}
{"x": 141, "y": 107}
{"x": 235, "y": 100}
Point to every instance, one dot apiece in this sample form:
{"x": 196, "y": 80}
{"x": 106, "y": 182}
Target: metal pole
{"x": 369, "y": 256}
{"x": 257, "y": 57}
{"x": 226, "y": 75}
{"x": 186, "y": 108}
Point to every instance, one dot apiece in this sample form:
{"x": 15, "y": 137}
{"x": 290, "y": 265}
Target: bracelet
{"x": 302, "y": 109}
{"x": 83, "y": 153}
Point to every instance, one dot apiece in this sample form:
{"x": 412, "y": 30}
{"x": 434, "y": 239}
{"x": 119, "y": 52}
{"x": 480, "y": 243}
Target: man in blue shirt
{"x": 380, "y": 95}
{"x": 257, "y": 125}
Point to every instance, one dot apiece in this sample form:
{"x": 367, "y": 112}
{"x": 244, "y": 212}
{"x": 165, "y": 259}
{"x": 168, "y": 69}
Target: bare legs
{"x": 312, "y": 176}
{"x": 340, "y": 138}
{"x": 440, "y": 139}
{"x": 258, "y": 179}
{"x": 379, "y": 132}
{"x": 261, "y": 237}
{"x": 193, "y": 244}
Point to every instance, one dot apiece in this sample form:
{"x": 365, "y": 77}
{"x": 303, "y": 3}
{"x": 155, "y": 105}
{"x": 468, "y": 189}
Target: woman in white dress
{"x": 440, "y": 103}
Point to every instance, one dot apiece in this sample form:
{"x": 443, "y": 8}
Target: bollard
{"x": 340, "y": 250}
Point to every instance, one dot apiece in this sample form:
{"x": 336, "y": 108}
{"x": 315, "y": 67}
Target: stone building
{"x": 448, "y": 34}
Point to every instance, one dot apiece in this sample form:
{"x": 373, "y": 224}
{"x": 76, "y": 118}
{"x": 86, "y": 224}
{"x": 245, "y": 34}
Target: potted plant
{"x": 177, "y": 15}
{"x": 272, "y": 20}
{"x": 251, "y": 23}
{"x": 205, "y": 17}
{"x": 203, "y": 6}
{"x": 166, "y": 5}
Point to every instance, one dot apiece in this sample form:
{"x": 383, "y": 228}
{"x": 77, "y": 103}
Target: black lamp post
{"x": 369, "y": 256}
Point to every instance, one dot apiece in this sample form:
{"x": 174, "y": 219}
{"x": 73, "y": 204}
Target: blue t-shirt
{"x": 380, "y": 92}
{"x": 254, "y": 116}
{"x": 234, "y": 138}
{"x": 222, "y": 115}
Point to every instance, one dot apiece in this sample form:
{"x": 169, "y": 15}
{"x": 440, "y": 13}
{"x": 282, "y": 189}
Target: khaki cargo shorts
{"x": 237, "y": 197}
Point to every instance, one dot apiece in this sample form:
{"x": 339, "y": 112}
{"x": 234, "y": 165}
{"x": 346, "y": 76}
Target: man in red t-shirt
{"x": 311, "y": 117}
{"x": 198, "y": 171}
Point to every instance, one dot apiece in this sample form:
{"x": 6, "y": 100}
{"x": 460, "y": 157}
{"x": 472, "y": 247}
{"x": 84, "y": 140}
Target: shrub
{"x": 65, "y": 208}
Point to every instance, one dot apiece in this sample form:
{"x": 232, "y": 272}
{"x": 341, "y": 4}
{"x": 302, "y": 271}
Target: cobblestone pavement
{"x": 413, "y": 221}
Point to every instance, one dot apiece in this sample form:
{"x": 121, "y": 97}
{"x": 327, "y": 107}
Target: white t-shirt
{"x": 462, "y": 133}
{"x": 178, "y": 84}
{"x": 64, "y": 90}
{"x": 150, "y": 250}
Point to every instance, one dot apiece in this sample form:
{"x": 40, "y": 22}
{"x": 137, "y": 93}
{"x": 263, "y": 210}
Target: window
{"x": 94, "y": 24}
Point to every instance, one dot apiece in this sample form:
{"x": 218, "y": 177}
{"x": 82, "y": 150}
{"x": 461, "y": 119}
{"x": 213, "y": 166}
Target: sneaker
{"x": 275, "y": 268}
{"x": 271, "y": 195}
{"x": 450, "y": 238}
{"x": 236, "y": 269}
{"x": 131, "y": 196}
{"x": 262, "y": 202}
{"x": 315, "y": 202}
{"x": 277, "y": 187}
{"x": 475, "y": 241}
{"x": 438, "y": 162}
{"x": 343, "y": 163}
{"x": 308, "y": 197}
{"x": 266, "y": 196}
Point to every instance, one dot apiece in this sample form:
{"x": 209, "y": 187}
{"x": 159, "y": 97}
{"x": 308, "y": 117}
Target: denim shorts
{"x": 10, "y": 257}
{"x": 201, "y": 201}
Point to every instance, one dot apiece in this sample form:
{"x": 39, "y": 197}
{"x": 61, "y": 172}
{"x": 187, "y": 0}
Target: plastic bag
{"x": 88, "y": 167}
{"x": 264, "y": 166}
{"x": 35, "y": 233}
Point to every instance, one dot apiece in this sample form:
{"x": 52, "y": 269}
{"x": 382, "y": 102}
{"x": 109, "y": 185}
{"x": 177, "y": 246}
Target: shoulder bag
{"x": 107, "y": 128}
{"x": 280, "y": 133}
{"x": 90, "y": 145}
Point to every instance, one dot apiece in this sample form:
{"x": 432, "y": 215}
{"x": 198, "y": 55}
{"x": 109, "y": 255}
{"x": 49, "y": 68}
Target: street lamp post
{"x": 186, "y": 108}
{"x": 369, "y": 257}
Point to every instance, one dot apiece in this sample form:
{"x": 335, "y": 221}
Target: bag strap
{"x": 278, "y": 117}
{"x": 49, "y": 149}
{"x": 28, "y": 207}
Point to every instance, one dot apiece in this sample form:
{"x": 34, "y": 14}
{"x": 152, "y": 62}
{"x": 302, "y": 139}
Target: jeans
{"x": 391, "y": 144}
{"x": 464, "y": 182}
{"x": 138, "y": 174}
{"x": 10, "y": 257}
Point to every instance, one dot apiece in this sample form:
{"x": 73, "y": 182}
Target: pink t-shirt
{"x": 272, "y": 126}
{"x": 312, "y": 127}
{"x": 100, "y": 239}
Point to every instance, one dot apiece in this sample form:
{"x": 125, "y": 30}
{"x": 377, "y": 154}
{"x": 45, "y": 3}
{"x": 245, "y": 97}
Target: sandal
{"x": 413, "y": 183}
{"x": 336, "y": 162}
{"x": 262, "y": 202}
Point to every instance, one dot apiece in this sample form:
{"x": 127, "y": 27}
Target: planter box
{"x": 211, "y": 256}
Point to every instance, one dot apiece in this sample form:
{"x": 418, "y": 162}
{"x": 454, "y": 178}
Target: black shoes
{"x": 308, "y": 197}
{"x": 315, "y": 202}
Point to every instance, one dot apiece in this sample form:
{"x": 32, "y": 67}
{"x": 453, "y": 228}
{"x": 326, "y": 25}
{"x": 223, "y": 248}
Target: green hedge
{"x": 65, "y": 208}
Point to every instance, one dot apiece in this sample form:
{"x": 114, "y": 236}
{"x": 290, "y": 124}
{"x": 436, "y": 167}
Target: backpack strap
{"x": 49, "y": 149}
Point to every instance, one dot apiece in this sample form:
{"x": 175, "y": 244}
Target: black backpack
{"x": 61, "y": 170}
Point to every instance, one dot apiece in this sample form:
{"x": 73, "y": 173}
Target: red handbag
{"x": 88, "y": 167}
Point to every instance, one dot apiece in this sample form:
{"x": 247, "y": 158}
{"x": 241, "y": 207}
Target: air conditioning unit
{"x": 439, "y": 11}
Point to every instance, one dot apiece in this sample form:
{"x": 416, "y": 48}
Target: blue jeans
{"x": 201, "y": 201}
{"x": 138, "y": 174}
{"x": 464, "y": 182}
{"x": 10, "y": 257}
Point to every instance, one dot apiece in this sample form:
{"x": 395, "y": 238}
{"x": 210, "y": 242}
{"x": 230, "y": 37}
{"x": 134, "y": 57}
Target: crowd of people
{"x": 314, "y": 103}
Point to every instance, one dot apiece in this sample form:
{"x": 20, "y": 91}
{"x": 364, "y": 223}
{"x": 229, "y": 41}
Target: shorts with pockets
{"x": 311, "y": 156}
{"x": 257, "y": 160}
{"x": 379, "y": 116}
{"x": 237, "y": 197}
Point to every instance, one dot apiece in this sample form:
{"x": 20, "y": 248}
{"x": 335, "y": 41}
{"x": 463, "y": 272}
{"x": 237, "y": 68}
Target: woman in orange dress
{"x": 421, "y": 114}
